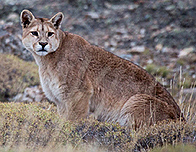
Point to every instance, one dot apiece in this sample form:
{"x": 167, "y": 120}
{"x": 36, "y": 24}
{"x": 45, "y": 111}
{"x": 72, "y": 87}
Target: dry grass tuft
{"x": 37, "y": 127}
{"x": 34, "y": 127}
{"x": 16, "y": 75}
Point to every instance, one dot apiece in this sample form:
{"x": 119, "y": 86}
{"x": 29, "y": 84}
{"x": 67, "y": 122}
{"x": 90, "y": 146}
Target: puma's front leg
{"x": 76, "y": 105}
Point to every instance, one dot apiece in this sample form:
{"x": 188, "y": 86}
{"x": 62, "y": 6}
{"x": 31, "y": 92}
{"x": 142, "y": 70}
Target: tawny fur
{"x": 83, "y": 79}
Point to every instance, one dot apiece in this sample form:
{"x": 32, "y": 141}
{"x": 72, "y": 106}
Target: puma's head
{"x": 40, "y": 35}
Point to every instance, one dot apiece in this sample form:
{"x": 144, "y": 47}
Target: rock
{"x": 106, "y": 37}
{"x": 107, "y": 5}
{"x": 113, "y": 43}
{"x": 182, "y": 5}
{"x": 133, "y": 7}
{"x": 106, "y": 44}
{"x": 168, "y": 28}
{"x": 106, "y": 13}
{"x": 31, "y": 94}
{"x": 150, "y": 61}
{"x": 119, "y": 7}
{"x": 159, "y": 47}
{"x": 93, "y": 15}
{"x": 11, "y": 42}
{"x": 137, "y": 49}
{"x": 126, "y": 56}
{"x": 133, "y": 44}
{"x": 13, "y": 17}
{"x": 2, "y": 22}
{"x": 166, "y": 49}
{"x": 170, "y": 8}
{"x": 19, "y": 2}
{"x": 154, "y": 27}
{"x": 142, "y": 31}
{"x": 121, "y": 31}
{"x": 186, "y": 51}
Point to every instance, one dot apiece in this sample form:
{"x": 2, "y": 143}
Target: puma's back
{"x": 85, "y": 80}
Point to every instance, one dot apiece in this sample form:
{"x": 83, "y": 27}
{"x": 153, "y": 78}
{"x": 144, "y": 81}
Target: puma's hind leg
{"x": 142, "y": 109}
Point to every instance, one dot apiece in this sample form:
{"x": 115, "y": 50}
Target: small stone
{"x": 170, "y": 8}
{"x": 13, "y": 17}
{"x": 106, "y": 44}
{"x": 182, "y": 5}
{"x": 133, "y": 7}
{"x": 31, "y": 94}
{"x": 133, "y": 44}
{"x": 118, "y": 7}
{"x": 127, "y": 37}
{"x": 18, "y": 97}
{"x": 93, "y": 15}
{"x": 26, "y": 99}
{"x": 126, "y": 56}
{"x": 165, "y": 50}
{"x": 113, "y": 43}
{"x": 2, "y": 22}
{"x": 142, "y": 31}
{"x": 150, "y": 61}
{"x": 154, "y": 6}
{"x": 159, "y": 47}
{"x": 154, "y": 27}
{"x": 106, "y": 37}
{"x": 137, "y": 49}
{"x": 121, "y": 31}
{"x": 186, "y": 51}
{"x": 38, "y": 98}
{"x": 7, "y": 41}
{"x": 126, "y": 16}
{"x": 108, "y": 5}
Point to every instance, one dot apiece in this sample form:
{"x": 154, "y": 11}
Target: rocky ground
{"x": 159, "y": 35}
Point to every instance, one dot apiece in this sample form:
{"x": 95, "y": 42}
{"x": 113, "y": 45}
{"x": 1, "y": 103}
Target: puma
{"x": 84, "y": 80}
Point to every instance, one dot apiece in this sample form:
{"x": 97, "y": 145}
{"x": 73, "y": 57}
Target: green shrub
{"x": 16, "y": 75}
{"x": 155, "y": 70}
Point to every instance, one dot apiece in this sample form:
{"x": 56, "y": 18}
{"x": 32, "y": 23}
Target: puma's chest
{"x": 50, "y": 85}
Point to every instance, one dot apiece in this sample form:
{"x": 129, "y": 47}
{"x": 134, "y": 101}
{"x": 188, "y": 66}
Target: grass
{"x": 161, "y": 71}
{"x": 59, "y": 148}
{"x": 177, "y": 148}
{"x": 34, "y": 127}
{"x": 38, "y": 127}
{"x": 16, "y": 75}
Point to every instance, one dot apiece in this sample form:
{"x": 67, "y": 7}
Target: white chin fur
{"x": 41, "y": 53}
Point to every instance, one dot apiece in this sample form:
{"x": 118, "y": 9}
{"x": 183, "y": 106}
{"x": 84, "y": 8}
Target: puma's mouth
{"x": 42, "y": 50}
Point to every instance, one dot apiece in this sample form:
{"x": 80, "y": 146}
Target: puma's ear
{"x": 26, "y": 17}
{"x": 57, "y": 20}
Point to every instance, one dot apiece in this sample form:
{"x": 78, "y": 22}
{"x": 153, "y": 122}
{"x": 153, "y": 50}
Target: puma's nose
{"x": 43, "y": 44}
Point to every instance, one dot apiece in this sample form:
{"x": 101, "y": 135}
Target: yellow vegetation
{"x": 37, "y": 126}
{"x": 16, "y": 75}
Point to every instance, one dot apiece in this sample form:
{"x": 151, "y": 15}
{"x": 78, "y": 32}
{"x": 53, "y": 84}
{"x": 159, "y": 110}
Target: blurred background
{"x": 158, "y": 35}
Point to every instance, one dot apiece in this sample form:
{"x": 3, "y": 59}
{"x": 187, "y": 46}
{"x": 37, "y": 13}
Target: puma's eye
{"x": 34, "y": 33}
{"x": 50, "y": 34}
